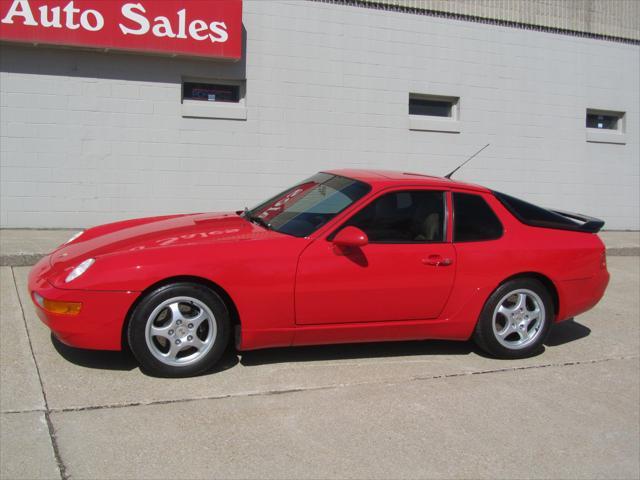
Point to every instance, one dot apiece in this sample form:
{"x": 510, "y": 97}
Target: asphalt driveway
{"x": 403, "y": 410}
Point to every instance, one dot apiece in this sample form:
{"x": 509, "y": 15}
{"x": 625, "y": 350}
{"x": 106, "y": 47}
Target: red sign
{"x": 205, "y": 28}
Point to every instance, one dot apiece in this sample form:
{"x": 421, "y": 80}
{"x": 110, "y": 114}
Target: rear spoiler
{"x": 536, "y": 216}
{"x": 587, "y": 223}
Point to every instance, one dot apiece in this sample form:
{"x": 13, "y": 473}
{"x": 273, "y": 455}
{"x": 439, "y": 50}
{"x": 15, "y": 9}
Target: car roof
{"x": 396, "y": 178}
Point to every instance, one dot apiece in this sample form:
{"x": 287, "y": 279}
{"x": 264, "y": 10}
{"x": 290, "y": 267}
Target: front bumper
{"x": 99, "y": 324}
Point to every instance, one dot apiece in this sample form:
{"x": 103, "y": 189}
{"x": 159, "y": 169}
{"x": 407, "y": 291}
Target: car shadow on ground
{"x": 561, "y": 333}
{"x": 566, "y": 332}
{"x": 123, "y": 360}
{"x": 99, "y": 359}
{"x": 352, "y": 351}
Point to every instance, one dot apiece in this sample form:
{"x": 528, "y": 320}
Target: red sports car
{"x": 345, "y": 256}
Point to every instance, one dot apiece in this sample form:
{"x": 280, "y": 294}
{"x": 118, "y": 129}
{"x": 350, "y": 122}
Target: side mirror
{"x": 350, "y": 237}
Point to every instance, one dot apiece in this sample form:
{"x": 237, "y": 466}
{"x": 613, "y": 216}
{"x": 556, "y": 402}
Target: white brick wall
{"x": 89, "y": 137}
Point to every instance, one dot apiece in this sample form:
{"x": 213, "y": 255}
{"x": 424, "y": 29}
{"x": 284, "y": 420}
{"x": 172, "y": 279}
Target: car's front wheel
{"x": 179, "y": 330}
{"x": 515, "y": 320}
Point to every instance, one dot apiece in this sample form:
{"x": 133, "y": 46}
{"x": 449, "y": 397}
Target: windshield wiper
{"x": 254, "y": 219}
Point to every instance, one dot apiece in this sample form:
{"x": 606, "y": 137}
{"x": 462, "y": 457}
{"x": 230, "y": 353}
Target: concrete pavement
{"x": 397, "y": 410}
{"x": 621, "y": 243}
{"x": 20, "y": 247}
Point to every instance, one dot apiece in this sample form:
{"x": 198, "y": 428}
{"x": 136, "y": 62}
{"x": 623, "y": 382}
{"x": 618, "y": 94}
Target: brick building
{"x": 91, "y": 134}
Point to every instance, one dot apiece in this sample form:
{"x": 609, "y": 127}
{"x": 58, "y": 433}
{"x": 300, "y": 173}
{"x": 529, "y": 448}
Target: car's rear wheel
{"x": 179, "y": 330}
{"x": 515, "y": 320}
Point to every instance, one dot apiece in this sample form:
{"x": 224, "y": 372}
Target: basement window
{"x": 433, "y": 108}
{"x": 210, "y": 92}
{"x": 214, "y": 99}
{"x": 606, "y": 120}
{"x": 434, "y": 113}
{"x": 605, "y": 126}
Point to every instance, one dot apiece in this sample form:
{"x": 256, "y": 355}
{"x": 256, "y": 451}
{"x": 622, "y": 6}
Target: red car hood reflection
{"x": 159, "y": 232}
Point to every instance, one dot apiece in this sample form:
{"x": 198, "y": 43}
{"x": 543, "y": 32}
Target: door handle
{"x": 437, "y": 261}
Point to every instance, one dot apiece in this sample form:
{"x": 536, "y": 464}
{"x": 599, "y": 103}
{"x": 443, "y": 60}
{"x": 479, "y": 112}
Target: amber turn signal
{"x": 60, "y": 308}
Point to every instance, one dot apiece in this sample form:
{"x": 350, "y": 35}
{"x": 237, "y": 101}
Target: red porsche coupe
{"x": 345, "y": 256}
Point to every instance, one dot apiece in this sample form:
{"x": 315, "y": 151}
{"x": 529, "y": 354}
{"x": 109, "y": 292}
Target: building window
{"x": 223, "y": 99}
{"x": 211, "y": 92}
{"x": 609, "y": 121}
{"x": 605, "y": 126}
{"x": 435, "y": 113}
{"x": 433, "y": 108}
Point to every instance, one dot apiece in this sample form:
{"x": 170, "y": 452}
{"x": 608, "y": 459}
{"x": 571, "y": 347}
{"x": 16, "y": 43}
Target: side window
{"x": 473, "y": 219}
{"x": 403, "y": 217}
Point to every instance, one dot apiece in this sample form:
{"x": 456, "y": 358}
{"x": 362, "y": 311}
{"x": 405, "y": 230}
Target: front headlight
{"x": 79, "y": 270}
{"x": 74, "y": 237}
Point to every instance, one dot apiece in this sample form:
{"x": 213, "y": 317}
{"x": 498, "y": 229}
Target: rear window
{"x": 474, "y": 220}
{"x": 530, "y": 214}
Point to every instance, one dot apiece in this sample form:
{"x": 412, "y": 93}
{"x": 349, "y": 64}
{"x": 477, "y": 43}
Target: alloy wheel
{"x": 518, "y": 319}
{"x": 180, "y": 331}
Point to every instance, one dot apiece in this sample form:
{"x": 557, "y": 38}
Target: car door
{"x": 405, "y": 272}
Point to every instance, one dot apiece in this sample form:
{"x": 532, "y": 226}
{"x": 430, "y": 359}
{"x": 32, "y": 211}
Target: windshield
{"x": 301, "y": 210}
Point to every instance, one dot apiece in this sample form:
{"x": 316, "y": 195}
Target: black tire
{"x": 507, "y": 294}
{"x": 148, "y": 348}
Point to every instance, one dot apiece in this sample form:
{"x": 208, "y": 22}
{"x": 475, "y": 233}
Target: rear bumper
{"x": 99, "y": 324}
{"x": 578, "y": 296}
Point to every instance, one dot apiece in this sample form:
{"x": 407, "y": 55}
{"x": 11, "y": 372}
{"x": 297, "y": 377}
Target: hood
{"x": 158, "y": 232}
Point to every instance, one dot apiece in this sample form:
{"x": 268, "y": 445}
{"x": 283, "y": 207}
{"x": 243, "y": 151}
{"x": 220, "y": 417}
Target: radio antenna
{"x": 448, "y": 175}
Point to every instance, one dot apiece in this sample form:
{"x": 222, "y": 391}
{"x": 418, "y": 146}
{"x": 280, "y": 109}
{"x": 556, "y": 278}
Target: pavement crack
{"x": 28, "y": 410}
{"x": 47, "y": 412}
{"x": 197, "y": 399}
{"x": 528, "y": 367}
{"x": 334, "y": 386}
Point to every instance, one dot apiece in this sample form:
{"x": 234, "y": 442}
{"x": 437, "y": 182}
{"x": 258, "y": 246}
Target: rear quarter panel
{"x": 570, "y": 260}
